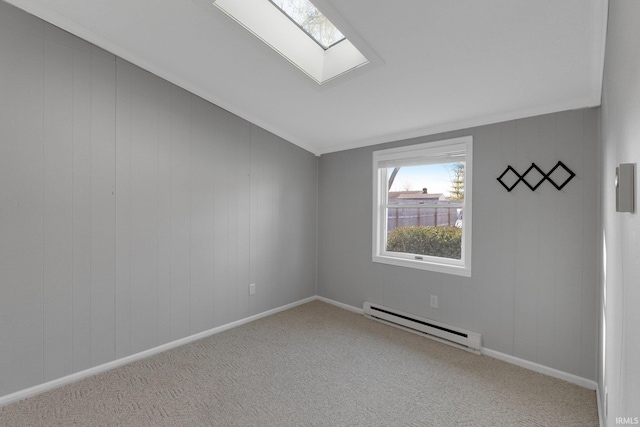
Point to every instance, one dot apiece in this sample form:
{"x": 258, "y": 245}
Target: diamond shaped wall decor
{"x": 545, "y": 177}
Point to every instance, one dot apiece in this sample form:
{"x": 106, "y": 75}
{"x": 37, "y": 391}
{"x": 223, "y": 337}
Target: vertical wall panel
{"x": 203, "y": 216}
{"x": 81, "y": 206}
{"x": 164, "y": 212}
{"x": 224, "y": 191}
{"x": 180, "y": 213}
{"x": 242, "y": 150}
{"x": 102, "y": 208}
{"x": 264, "y": 173}
{"x": 234, "y": 258}
{"x": 570, "y": 219}
{"x": 58, "y": 196}
{"x": 503, "y": 295}
{"x": 527, "y": 250}
{"x": 279, "y": 211}
{"x": 289, "y": 224}
{"x": 485, "y": 137}
{"x": 144, "y": 211}
{"x": 124, "y": 88}
{"x": 547, "y": 251}
{"x": 21, "y": 210}
{"x": 254, "y": 158}
{"x": 592, "y": 241}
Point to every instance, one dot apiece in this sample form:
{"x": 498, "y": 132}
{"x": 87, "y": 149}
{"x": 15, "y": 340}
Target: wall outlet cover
{"x": 434, "y": 301}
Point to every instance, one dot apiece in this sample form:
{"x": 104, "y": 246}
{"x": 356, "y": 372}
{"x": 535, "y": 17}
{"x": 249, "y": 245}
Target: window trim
{"x": 277, "y": 30}
{"x": 408, "y": 154}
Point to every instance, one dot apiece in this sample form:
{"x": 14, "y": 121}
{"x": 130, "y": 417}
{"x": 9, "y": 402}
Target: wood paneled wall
{"x": 132, "y": 213}
{"x": 533, "y": 290}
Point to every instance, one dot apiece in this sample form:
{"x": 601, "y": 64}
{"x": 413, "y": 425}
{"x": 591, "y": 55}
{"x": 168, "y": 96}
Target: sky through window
{"x": 437, "y": 178}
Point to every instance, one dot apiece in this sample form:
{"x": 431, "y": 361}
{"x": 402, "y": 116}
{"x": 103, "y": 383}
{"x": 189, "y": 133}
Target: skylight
{"x": 299, "y": 32}
{"x": 311, "y": 21}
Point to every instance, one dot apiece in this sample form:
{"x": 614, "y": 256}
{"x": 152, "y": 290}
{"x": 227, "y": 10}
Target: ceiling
{"x": 437, "y": 65}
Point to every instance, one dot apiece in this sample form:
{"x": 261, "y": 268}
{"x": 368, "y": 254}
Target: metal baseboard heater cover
{"x": 447, "y": 334}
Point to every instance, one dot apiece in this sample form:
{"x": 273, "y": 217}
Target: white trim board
{"x": 600, "y": 407}
{"x": 532, "y": 366}
{"x": 341, "y": 305}
{"x": 50, "y": 385}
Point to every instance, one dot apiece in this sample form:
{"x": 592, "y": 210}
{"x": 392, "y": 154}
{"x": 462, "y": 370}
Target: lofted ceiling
{"x": 436, "y": 65}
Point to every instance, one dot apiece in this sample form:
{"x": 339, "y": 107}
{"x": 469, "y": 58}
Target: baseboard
{"x": 59, "y": 382}
{"x": 532, "y": 366}
{"x": 340, "y": 304}
{"x": 552, "y": 372}
{"x": 41, "y": 388}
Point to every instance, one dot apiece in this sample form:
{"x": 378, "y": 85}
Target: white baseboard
{"x": 59, "y": 382}
{"x": 340, "y": 304}
{"x": 41, "y": 388}
{"x": 552, "y": 372}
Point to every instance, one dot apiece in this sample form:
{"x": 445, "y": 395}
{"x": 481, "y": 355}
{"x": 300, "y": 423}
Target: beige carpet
{"x": 313, "y": 365}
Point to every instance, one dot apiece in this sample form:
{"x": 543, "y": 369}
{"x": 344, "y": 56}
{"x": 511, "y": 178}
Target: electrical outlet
{"x": 434, "y": 301}
{"x": 252, "y": 289}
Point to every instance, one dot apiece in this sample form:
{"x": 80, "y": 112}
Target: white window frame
{"x": 431, "y": 152}
{"x": 266, "y": 21}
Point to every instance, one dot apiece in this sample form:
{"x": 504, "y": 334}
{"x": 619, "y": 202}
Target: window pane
{"x": 422, "y": 184}
{"x": 435, "y": 230}
{"x": 420, "y": 193}
{"x": 311, "y": 20}
{"x": 432, "y": 231}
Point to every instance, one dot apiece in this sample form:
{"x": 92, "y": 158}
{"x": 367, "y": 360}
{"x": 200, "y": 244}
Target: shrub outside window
{"x": 422, "y": 206}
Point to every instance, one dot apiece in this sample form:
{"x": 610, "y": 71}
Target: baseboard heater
{"x": 447, "y": 334}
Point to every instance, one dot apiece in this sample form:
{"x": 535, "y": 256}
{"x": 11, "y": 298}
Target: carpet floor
{"x": 312, "y": 365}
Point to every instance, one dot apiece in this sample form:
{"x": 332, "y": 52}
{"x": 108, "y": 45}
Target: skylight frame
{"x": 307, "y": 32}
{"x": 266, "y": 21}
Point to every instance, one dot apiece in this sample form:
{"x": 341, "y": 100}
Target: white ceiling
{"x": 443, "y": 64}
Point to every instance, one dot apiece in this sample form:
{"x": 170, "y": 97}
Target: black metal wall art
{"x": 544, "y": 177}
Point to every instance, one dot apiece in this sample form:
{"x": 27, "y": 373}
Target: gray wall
{"x": 620, "y": 281}
{"x": 132, "y": 213}
{"x": 533, "y": 290}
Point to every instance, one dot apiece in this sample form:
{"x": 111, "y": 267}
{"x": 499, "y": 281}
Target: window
{"x": 422, "y": 212}
{"x": 299, "y": 32}
{"x": 311, "y": 21}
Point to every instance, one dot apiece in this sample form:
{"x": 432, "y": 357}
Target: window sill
{"x": 424, "y": 265}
